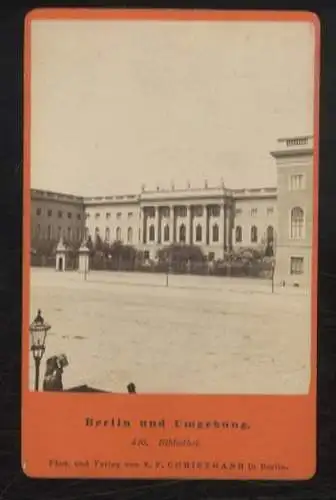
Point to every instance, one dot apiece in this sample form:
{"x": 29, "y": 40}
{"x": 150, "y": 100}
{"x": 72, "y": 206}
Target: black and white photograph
{"x": 172, "y": 214}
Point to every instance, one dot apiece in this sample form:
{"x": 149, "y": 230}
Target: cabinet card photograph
{"x": 170, "y": 244}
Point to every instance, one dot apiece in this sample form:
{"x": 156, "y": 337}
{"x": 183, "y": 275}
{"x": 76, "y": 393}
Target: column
{"x": 203, "y": 222}
{"x": 172, "y": 236}
{"x": 222, "y": 227}
{"x": 228, "y": 228}
{"x": 192, "y": 238}
{"x": 231, "y": 225}
{"x": 207, "y": 225}
{"x": 188, "y": 226}
{"x": 157, "y": 225}
{"x": 144, "y": 225}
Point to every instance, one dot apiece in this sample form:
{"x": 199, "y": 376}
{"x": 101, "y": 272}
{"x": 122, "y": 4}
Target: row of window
{"x": 214, "y": 211}
{"x": 108, "y": 215}
{"x": 166, "y": 233}
{"x": 197, "y": 211}
{"x": 59, "y": 214}
{"x": 180, "y": 212}
{"x": 254, "y": 211}
{"x": 118, "y": 234}
{"x": 182, "y": 233}
{"x": 297, "y": 229}
{"x": 69, "y": 233}
{"x": 254, "y": 234}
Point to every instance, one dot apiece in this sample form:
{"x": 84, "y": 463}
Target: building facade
{"x": 294, "y": 159}
{"x": 55, "y": 214}
{"x": 217, "y": 219}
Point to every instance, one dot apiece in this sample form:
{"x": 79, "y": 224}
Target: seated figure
{"x": 54, "y": 371}
{"x": 131, "y": 388}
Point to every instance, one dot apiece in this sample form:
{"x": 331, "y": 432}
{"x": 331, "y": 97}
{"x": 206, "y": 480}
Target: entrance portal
{"x": 60, "y": 264}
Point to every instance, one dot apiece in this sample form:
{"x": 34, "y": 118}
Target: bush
{"x": 180, "y": 254}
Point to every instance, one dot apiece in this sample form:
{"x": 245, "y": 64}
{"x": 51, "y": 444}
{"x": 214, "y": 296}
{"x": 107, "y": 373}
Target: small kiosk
{"x": 61, "y": 256}
{"x": 83, "y": 259}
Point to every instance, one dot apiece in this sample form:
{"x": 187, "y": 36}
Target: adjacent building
{"x": 217, "y": 219}
{"x": 294, "y": 159}
{"x": 56, "y": 214}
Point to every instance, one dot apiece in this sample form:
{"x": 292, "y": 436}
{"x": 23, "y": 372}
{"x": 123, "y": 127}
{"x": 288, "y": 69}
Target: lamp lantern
{"x": 38, "y": 334}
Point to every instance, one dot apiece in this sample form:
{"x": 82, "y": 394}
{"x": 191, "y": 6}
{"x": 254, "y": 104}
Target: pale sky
{"x": 118, "y": 104}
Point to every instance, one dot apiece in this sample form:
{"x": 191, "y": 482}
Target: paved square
{"x": 198, "y": 335}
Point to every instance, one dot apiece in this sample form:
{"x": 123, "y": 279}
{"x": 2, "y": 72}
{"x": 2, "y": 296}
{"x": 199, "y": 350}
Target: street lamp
{"x": 38, "y": 331}
{"x": 272, "y": 277}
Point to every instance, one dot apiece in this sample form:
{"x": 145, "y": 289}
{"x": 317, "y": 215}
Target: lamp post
{"x": 273, "y": 270}
{"x": 169, "y": 269}
{"x": 167, "y": 272}
{"x": 38, "y": 331}
{"x": 85, "y": 269}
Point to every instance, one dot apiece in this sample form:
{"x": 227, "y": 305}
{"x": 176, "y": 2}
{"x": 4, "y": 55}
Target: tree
{"x": 119, "y": 251}
{"x": 106, "y": 249}
{"x": 267, "y": 243}
{"x": 89, "y": 244}
{"x": 98, "y": 244}
{"x": 73, "y": 248}
{"x": 269, "y": 252}
{"x": 181, "y": 254}
{"x": 44, "y": 247}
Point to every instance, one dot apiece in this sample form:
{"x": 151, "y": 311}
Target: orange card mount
{"x": 170, "y": 244}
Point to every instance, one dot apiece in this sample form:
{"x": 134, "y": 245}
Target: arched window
{"x": 182, "y": 233}
{"x": 96, "y": 231}
{"x": 239, "y": 234}
{"x": 38, "y": 230}
{"x": 166, "y": 233}
{"x": 269, "y": 234}
{"x": 254, "y": 234}
{"x": 107, "y": 234}
{"x": 69, "y": 233}
{"x": 297, "y": 223}
{"x": 118, "y": 234}
{"x": 151, "y": 233}
{"x": 198, "y": 232}
{"x": 215, "y": 233}
{"x": 129, "y": 235}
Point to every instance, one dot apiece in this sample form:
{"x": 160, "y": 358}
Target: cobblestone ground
{"x": 198, "y": 335}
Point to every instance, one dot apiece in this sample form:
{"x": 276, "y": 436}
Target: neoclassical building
{"x": 217, "y": 219}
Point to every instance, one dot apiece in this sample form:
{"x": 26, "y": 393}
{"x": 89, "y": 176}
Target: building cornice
{"x": 300, "y": 152}
{"x": 200, "y": 195}
{"x": 40, "y": 194}
{"x": 108, "y": 200}
{"x": 294, "y": 146}
{"x": 255, "y": 193}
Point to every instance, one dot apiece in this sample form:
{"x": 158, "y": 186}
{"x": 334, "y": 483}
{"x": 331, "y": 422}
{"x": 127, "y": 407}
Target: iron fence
{"x": 253, "y": 269}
